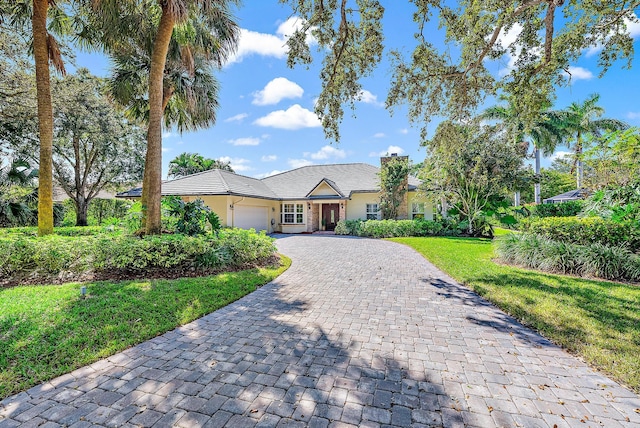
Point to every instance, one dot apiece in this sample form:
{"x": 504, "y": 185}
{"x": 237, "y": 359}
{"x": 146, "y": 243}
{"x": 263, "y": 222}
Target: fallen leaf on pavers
{"x": 490, "y": 408}
{"x": 637, "y": 410}
{"x": 254, "y": 411}
{"x": 560, "y": 402}
{"x": 585, "y": 401}
{"x": 555, "y": 425}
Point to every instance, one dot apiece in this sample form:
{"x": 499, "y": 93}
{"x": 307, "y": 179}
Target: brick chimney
{"x": 403, "y": 209}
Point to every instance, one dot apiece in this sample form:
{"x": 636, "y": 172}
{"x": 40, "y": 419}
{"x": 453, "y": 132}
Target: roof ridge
{"x": 317, "y": 165}
{"x": 224, "y": 181}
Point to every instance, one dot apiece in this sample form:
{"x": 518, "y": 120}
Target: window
{"x": 417, "y": 210}
{"x": 372, "y": 212}
{"x": 292, "y": 213}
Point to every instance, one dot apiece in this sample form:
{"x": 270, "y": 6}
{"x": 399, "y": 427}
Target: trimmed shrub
{"x": 396, "y": 228}
{"x": 63, "y": 257}
{"x": 563, "y": 209}
{"x": 593, "y": 260}
{"x": 585, "y": 231}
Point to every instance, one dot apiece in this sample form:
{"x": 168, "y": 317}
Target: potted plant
{"x": 324, "y": 224}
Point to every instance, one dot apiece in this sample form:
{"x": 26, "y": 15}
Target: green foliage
{"x": 394, "y": 174}
{"x": 471, "y": 166}
{"x": 591, "y": 260}
{"x": 49, "y": 330}
{"x": 102, "y": 210}
{"x": 191, "y": 163}
{"x": 563, "y": 209}
{"x": 87, "y": 250}
{"x": 585, "y": 231}
{"x": 192, "y": 216}
{"x": 617, "y": 203}
{"x": 400, "y": 228}
{"x": 214, "y": 221}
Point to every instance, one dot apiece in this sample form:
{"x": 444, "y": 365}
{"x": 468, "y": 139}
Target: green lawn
{"x": 46, "y": 331}
{"x": 598, "y": 320}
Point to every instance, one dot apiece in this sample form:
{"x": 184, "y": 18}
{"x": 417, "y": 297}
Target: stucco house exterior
{"x": 305, "y": 199}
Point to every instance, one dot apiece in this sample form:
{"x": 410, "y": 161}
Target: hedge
{"x": 396, "y": 228}
{"x": 585, "y": 231}
{"x": 57, "y": 257}
{"x": 593, "y": 260}
{"x": 563, "y": 209}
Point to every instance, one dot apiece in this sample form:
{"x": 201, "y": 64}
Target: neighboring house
{"x": 302, "y": 200}
{"x": 572, "y": 195}
{"x": 59, "y": 195}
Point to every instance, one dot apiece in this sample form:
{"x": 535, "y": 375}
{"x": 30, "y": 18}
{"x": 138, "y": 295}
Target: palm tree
{"x": 171, "y": 20}
{"x": 584, "y": 120}
{"x": 545, "y": 133}
{"x": 191, "y": 163}
{"x": 45, "y": 51}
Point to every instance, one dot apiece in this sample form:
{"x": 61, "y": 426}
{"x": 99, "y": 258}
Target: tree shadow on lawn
{"x": 261, "y": 360}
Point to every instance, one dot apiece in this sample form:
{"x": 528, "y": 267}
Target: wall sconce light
{"x": 273, "y": 209}
{"x": 231, "y": 206}
{"x": 309, "y": 205}
{"x": 342, "y": 205}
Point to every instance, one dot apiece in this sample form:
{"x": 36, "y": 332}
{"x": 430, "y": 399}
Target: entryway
{"x": 330, "y": 216}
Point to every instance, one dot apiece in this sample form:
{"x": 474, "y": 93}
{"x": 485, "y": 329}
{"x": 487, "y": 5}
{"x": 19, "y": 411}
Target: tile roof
{"x": 294, "y": 184}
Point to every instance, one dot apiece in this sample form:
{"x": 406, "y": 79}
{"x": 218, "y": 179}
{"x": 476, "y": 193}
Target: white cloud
{"x": 404, "y": 131}
{"x": 633, "y": 27}
{"x": 166, "y": 149}
{"x": 237, "y": 118}
{"x": 246, "y": 141}
{"x": 326, "y": 152}
{"x": 295, "y": 117}
{"x": 633, "y": 115}
{"x": 269, "y": 158}
{"x": 578, "y": 73}
{"x": 238, "y": 164}
{"x": 277, "y": 90}
{"x": 368, "y": 98}
{"x": 379, "y": 135}
{"x": 505, "y": 40}
{"x": 390, "y": 150}
{"x": 268, "y": 174}
{"x": 168, "y": 134}
{"x": 299, "y": 163}
{"x": 560, "y": 154}
{"x": 263, "y": 44}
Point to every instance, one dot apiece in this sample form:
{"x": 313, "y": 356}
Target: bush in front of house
{"x": 398, "y": 228}
{"x": 592, "y": 260}
{"x": 585, "y": 231}
{"x": 54, "y": 257}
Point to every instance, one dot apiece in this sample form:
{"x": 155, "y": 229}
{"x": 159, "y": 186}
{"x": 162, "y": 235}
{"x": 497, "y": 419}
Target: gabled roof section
{"x": 329, "y": 183}
{"x": 344, "y": 179}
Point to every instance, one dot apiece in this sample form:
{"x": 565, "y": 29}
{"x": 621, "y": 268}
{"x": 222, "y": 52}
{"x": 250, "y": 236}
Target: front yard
{"x": 597, "y": 320}
{"x": 49, "y": 330}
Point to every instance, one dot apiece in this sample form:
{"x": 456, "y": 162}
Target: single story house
{"x": 305, "y": 199}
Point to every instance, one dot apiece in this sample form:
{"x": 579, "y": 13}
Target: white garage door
{"x": 246, "y": 217}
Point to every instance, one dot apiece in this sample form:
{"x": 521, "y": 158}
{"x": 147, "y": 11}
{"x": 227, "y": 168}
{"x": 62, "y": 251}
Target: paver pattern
{"x": 357, "y": 332}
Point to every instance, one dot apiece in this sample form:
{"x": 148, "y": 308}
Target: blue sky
{"x": 266, "y": 123}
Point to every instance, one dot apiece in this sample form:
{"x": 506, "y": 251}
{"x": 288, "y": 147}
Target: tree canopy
{"x": 453, "y": 67}
{"x": 192, "y": 163}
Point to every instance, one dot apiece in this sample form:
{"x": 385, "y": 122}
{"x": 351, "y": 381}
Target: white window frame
{"x": 372, "y": 211}
{"x": 292, "y": 213}
{"x": 419, "y": 210}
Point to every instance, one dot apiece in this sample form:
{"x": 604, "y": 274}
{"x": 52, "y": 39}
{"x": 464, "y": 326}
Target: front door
{"x": 330, "y": 216}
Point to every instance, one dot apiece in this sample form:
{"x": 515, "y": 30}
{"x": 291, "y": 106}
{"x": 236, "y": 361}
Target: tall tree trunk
{"x": 82, "y": 207}
{"x": 516, "y": 199}
{"x": 45, "y": 117}
{"x": 152, "y": 181}
{"x": 579, "y": 166}
{"x": 536, "y": 190}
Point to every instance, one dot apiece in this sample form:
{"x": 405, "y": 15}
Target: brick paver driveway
{"x": 357, "y": 332}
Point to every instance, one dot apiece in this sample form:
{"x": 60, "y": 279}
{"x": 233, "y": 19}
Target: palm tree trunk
{"x": 537, "y": 183}
{"x": 152, "y": 181}
{"x": 45, "y": 116}
{"x": 579, "y": 169}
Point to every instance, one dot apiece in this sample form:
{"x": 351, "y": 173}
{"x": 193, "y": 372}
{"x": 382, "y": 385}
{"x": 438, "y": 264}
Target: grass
{"x": 46, "y": 331}
{"x": 597, "y": 320}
